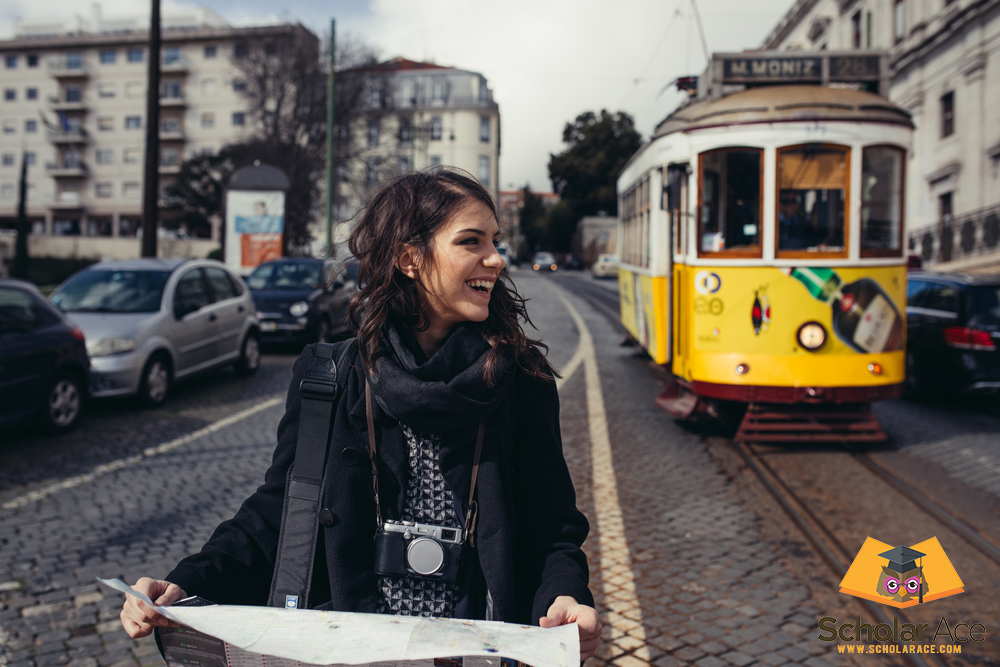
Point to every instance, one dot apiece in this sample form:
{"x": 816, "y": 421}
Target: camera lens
{"x": 448, "y": 535}
{"x": 425, "y": 556}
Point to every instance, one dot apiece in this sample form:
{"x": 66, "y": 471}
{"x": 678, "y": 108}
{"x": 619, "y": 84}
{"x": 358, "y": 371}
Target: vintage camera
{"x": 418, "y": 549}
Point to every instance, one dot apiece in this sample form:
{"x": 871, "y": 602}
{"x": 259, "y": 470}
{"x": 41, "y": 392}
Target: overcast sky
{"x": 546, "y": 61}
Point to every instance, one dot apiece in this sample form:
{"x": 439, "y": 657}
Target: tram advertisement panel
{"x": 643, "y": 302}
{"x": 760, "y": 310}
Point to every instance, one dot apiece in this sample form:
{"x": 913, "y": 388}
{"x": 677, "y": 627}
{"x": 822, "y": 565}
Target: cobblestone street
{"x": 686, "y": 567}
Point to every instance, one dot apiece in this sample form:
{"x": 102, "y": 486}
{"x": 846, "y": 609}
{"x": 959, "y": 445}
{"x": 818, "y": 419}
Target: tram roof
{"x": 778, "y": 104}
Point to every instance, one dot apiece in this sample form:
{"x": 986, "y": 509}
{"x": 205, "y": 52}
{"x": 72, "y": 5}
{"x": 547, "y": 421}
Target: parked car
{"x": 43, "y": 360}
{"x": 302, "y": 300}
{"x": 605, "y": 266}
{"x": 953, "y": 330}
{"x": 151, "y": 322}
{"x": 543, "y": 261}
{"x": 572, "y": 263}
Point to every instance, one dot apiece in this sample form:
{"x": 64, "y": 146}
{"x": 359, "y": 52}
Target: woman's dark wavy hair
{"x": 409, "y": 210}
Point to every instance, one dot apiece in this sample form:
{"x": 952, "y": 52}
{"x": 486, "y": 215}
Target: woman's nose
{"x": 493, "y": 259}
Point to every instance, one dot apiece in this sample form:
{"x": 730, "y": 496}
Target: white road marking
{"x": 149, "y": 452}
{"x": 617, "y": 578}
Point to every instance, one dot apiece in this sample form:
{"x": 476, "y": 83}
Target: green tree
{"x": 584, "y": 175}
{"x": 531, "y": 221}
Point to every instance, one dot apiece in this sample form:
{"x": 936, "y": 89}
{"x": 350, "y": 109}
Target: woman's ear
{"x": 408, "y": 261}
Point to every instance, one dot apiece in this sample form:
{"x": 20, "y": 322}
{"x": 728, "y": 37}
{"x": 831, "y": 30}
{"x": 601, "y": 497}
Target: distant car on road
{"x": 606, "y": 266}
{"x": 302, "y": 300}
{"x": 151, "y": 322}
{"x": 953, "y": 331}
{"x": 572, "y": 263}
{"x": 43, "y": 360}
{"x": 504, "y": 252}
{"x": 543, "y": 261}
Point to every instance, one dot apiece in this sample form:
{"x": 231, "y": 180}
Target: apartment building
{"x": 945, "y": 70}
{"x": 73, "y": 106}
{"x": 419, "y": 115}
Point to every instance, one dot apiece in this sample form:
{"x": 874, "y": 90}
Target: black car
{"x": 302, "y": 300}
{"x": 953, "y": 330}
{"x": 43, "y": 360}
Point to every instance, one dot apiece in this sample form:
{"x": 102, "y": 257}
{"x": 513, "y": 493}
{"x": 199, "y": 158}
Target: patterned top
{"x": 428, "y": 500}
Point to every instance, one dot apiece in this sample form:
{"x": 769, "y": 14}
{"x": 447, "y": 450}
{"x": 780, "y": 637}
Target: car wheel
{"x": 63, "y": 403}
{"x": 249, "y": 360}
{"x": 155, "y": 381}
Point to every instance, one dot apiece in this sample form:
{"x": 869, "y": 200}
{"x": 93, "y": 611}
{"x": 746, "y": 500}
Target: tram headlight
{"x": 811, "y": 336}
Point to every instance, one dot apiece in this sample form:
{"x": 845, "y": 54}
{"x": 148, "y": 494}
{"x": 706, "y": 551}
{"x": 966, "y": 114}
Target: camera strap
{"x": 319, "y": 389}
{"x": 472, "y": 510}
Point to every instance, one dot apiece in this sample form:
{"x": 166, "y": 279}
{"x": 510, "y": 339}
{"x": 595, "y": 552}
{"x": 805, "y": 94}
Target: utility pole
{"x": 331, "y": 180}
{"x": 151, "y": 173}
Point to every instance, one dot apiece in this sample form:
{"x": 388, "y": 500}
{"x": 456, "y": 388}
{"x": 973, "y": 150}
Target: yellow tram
{"x": 761, "y": 244}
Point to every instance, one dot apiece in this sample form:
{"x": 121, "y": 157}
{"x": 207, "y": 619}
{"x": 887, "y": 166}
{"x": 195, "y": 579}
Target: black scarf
{"x": 444, "y": 393}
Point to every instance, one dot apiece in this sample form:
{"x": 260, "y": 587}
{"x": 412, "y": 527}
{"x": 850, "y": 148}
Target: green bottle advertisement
{"x": 864, "y": 317}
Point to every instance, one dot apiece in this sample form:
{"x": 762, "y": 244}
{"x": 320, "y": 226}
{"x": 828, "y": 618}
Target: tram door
{"x": 678, "y": 214}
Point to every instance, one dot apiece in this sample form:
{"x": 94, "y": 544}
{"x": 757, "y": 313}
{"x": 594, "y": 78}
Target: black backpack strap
{"x": 320, "y": 388}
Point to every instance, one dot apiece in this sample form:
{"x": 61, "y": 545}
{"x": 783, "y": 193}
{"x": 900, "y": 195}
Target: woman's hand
{"x": 138, "y": 619}
{"x": 565, "y": 610}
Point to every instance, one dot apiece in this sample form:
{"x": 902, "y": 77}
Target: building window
{"x": 170, "y": 125}
{"x": 9, "y": 127}
{"x": 483, "y": 91}
{"x": 209, "y": 86}
{"x": 171, "y": 56}
{"x": 240, "y": 50}
{"x": 899, "y": 21}
{"x": 436, "y": 128}
{"x": 435, "y": 161}
{"x": 10, "y": 94}
{"x": 484, "y": 170}
{"x": 31, "y": 126}
{"x": 404, "y": 164}
{"x": 131, "y": 156}
{"x": 11, "y": 62}
{"x": 29, "y": 158}
{"x": 131, "y": 189}
{"x": 133, "y": 122}
{"x": 7, "y": 191}
{"x": 74, "y": 94}
{"x": 437, "y": 90}
{"x": 944, "y": 208}
{"x": 135, "y": 55}
{"x": 239, "y": 86}
{"x": 371, "y": 172}
{"x": 948, "y": 114}
{"x": 172, "y": 90}
{"x": 730, "y": 187}
{"x": 375, "y": 98}
{"x": 856, "y": 30}
{"x": 135, "y": 89}
{"x": 31, "y": 93}
{"x": 8, "y": 159}
{"x": 208, "y": 119}
{"x": 106, "y": 123}
{"x": 210, "y": 50}
{"x": 239, "y": 118}
{"x": 373, "y": 134}
{"x": 405, "y": 132}
{"x": 108, "y": 57}
{"x": 169, "y": 157}
{"x": 104, "y": 155}
{"x": 106, "y": 90}
{"x": 103, "y": 190}
{"x": 484, "y": 129}
{"x": 868, "y": 30}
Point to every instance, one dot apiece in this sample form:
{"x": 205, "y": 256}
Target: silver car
{"x": 151, "y": 322}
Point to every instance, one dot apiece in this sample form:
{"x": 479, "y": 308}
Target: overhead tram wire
{"x": 652, "y": 56}
{"x": 701, "y": 31}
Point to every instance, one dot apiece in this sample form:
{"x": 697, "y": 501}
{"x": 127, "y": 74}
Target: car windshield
{"x": 984, "y": 305}
{"x": 286, "y": 275}
{"x": 107, "y": 291}
{"x": 544, "y": 258}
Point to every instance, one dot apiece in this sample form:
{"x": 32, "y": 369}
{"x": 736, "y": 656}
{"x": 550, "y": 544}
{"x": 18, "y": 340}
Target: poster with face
{"x": 255, "y": 223}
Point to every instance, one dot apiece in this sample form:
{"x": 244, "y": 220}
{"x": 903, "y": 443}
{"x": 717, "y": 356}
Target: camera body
{"x": 428, "y": 552}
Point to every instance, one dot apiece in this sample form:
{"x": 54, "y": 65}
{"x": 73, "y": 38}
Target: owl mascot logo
{"x": 901, "y": 576}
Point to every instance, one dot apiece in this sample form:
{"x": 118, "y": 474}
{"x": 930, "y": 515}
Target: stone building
{"x": 73, "y": 102}
{"x": 944, "y": 58}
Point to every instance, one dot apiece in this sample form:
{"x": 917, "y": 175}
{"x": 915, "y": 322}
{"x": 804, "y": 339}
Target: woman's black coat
{"x": 529, "y": 531}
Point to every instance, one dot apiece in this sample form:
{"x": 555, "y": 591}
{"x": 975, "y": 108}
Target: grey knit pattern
{"x": 428, "y": 500}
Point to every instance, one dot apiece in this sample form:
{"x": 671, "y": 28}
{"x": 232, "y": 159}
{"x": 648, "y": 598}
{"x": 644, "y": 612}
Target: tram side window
{"x": 730, "y": 199}
{"x": 812, "y": 189}
{"x": 881, "y": 201}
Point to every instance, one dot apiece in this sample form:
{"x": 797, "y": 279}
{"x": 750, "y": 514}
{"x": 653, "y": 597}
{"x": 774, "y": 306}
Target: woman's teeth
{"x": 480, "y": 285}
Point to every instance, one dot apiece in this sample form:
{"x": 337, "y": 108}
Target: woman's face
{"x": 456, "y": 281}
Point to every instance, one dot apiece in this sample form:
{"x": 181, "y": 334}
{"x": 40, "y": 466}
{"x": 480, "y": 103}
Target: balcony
{"x": 73, "y": 135}
{"x": 67, "y": 201}
{"x": 66, "y": 67}
{"x": 173, "y": 102}
{"x": 174, "y": 66}
{"x": 62, "y": 104}
{"x": 67, "y": 169}
{"x": 172, "y": 134}
{"x": 170, "y": 169}
{"x": 964, "y": 237}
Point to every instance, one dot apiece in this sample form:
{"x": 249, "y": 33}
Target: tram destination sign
{"x": 743, "y": 68}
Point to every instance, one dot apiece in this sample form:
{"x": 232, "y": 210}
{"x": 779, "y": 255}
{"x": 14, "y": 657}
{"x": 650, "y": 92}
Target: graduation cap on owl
{"x": 903, "y": 576}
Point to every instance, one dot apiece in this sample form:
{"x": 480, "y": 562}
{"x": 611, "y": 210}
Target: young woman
{"x": 441, "y": 349}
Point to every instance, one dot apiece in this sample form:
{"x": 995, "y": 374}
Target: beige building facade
{"x": 944, "y": 57}
{"x": 73, "y": 106}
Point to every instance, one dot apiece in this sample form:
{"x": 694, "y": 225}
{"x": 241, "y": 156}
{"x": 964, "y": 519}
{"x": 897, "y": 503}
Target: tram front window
{"x": 812, "y": 189}
{"x": 730, "y": 194}
{"x": 881, "y": 201}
